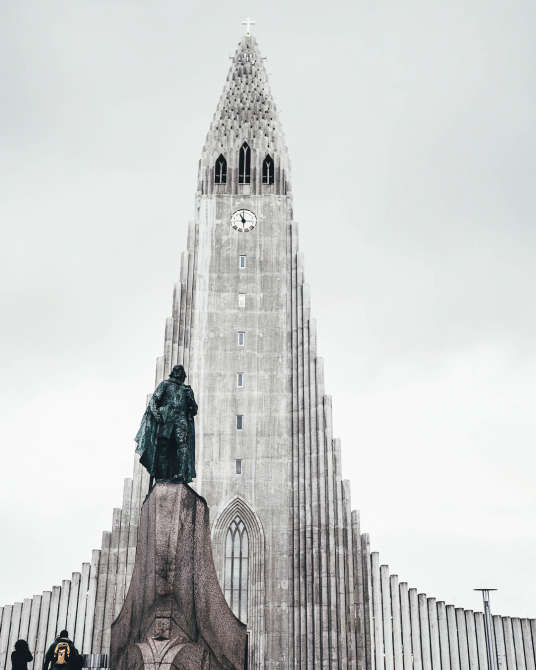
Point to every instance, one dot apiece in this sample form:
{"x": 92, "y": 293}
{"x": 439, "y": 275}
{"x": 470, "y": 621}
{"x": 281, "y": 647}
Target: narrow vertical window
{"x": 241, "y": 299}
{"x": 268, "y": 170}
{"x": 244, "y": 164}
{"x": 241, "y": 338}
{"x": 239, "y": 421}
{"x": 240, "y": 380}
{"x": 236, "y": 568}
{"x": 238, "y": 466}
{"x": 242, "y": 262}
{"x": 220, "y": 170}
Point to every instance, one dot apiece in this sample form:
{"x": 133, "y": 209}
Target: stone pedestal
{"x": 175, "y": 615}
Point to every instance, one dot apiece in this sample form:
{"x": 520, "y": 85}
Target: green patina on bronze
{"x": 166, "y": 438}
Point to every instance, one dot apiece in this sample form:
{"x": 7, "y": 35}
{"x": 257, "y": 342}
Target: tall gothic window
{"x": 236, "y": 569}
{"x": 220, "y": 170}
{"x": 244, "y": 164}
{"x": 268, "y": 170}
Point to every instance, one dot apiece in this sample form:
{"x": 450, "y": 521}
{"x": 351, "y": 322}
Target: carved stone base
{"x": 175, "y": 615}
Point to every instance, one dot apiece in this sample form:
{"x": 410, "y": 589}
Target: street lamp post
{"x": 488, "y": 628}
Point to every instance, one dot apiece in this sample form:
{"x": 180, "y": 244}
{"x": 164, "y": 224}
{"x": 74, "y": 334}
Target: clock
{"x": 243, "y": 220}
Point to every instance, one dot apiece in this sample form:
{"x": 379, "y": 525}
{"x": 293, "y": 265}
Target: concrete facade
{"x": 317, "y": 595}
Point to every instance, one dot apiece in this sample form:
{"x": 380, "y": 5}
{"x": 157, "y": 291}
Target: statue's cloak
{"x": 151, "y": 430}
{"x": 147, "y": 440}
{"x": 188, "y": 469}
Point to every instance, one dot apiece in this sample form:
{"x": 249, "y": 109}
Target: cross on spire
{"x": 248, "y": 23}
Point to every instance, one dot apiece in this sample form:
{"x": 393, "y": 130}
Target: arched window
{"x": 236, "y": 568}
{"x": 268, "y": 170}
{"x": 244, "y": 164}
{"x": 228, "y": 523}
{"x": 220, "y": 170}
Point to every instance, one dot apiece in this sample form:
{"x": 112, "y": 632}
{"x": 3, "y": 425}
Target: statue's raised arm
{"x": 166, "y": 438}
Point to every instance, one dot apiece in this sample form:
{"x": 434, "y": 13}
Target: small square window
{"x": 239, "y": 421}
{"x": 241, "y": 338}
{"x": 242, "y": 262}
{"x": 238, "y": 466}
{"x": 240, "y": 380}
{"x": 241, "y": 299}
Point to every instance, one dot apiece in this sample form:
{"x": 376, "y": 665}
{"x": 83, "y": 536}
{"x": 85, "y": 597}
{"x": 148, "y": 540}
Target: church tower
{"x": 290, "y": 556}
{"x": 266, "y": 462}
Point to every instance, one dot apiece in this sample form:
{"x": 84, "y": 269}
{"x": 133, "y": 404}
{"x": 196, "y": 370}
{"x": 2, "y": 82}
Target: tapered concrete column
{"x": 91, "y": 601}
{"x": 72, "y": 605}
{"x": 518, "y": 644}
{"x": 377, "y": 611}
{"x": 425, "y": 632}
{"x": 42, "y": 630}
{"x": 4, "y": 634}
{"x": 32, "y": 629}
{"x": 528, "y": 644}
{"x": 499, "y": 642}
{"x": 78, "y": 631}
{"x": 25, "y": 619}
{"x": 397, "y": 623}
{"x": 462, "y": 638}
{"x": 453, "y": 638}
{"x": 415, "y": 629}
{"x": 14, "y": 632}
{"x": 509, "y": 643}
{"x": 52, "y": 629}
{"x": 64, "y": 602}
{"x": 386, "y": 616}
{"x": 434, "y": 634}
{"x": 406, "y": 626}
{"x": 471, "y": 640}
{"x": 443, "y": 635}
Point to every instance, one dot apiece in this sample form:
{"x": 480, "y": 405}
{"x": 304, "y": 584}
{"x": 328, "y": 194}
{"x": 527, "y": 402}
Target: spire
{"x": 246, "y": 112}
{"x": 246, "y": 109}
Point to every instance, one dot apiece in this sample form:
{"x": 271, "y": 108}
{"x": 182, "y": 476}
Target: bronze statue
{"x": 166, "y": 438}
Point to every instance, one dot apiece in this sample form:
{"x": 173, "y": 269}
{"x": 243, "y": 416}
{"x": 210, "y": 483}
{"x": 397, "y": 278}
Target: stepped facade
{"x": 291, "y": 558}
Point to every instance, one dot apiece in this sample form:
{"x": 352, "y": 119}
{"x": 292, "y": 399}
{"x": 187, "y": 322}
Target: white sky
{"x": 411, "y": 129}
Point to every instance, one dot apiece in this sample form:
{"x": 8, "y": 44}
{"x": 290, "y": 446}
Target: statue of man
{"x": 166, "y": 438}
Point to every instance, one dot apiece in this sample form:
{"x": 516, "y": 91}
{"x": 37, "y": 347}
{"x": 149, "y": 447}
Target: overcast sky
{"x": 411, "y": 130}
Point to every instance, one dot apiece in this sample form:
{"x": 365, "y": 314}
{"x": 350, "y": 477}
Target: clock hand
{"x": 242, "y": 216}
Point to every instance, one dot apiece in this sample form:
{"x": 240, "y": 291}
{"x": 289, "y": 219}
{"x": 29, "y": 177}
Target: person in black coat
{"x": 21, "y": 656}
{"x": 62, "y": 654}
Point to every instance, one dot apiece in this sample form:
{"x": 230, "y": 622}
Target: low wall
{"x": 407, "y": 630}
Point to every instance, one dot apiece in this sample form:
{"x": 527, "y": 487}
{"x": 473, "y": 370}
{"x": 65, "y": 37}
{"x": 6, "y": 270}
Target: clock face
{"x": 243, "y": 220}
